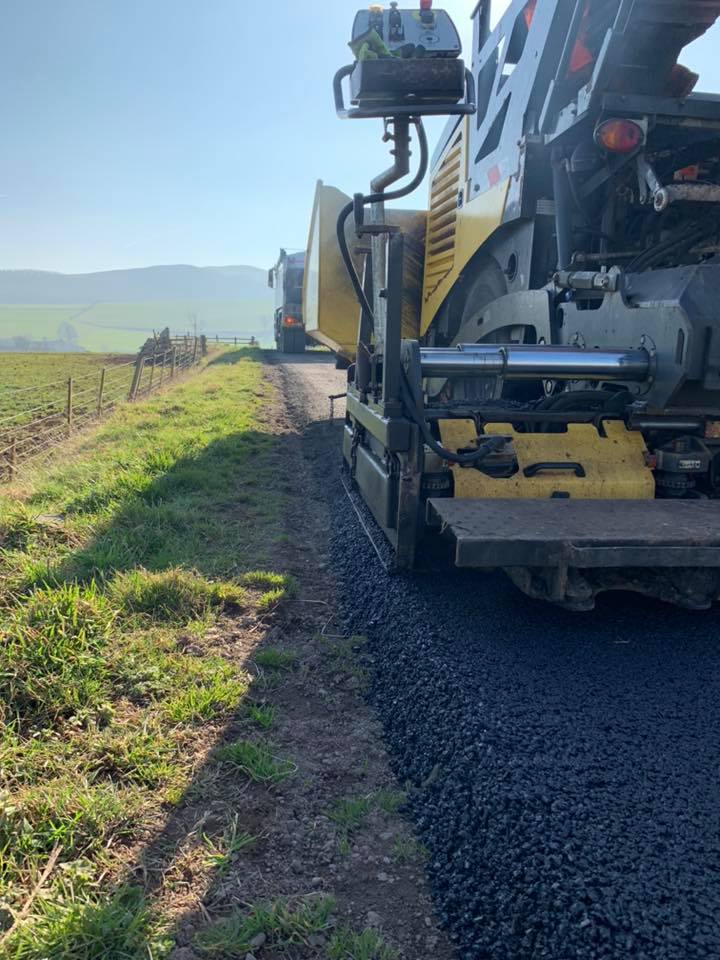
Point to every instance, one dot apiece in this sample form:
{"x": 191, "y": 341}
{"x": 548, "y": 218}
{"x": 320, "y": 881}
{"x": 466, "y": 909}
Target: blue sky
{"x": 181, "y": 131}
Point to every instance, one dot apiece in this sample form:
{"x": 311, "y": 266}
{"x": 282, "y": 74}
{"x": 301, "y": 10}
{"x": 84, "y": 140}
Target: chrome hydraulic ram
{"x": 532, "y": 362}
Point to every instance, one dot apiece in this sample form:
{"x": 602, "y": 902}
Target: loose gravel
{"x": 563, "y": 767}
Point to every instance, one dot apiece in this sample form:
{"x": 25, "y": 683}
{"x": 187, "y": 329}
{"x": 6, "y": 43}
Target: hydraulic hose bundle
{"x": 355, "y": 207}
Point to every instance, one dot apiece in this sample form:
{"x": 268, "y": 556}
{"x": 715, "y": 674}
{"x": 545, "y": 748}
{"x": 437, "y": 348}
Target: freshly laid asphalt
{"x": 564, "y": 767}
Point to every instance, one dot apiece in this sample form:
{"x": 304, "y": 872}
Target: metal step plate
{"x": 580, "y": 533}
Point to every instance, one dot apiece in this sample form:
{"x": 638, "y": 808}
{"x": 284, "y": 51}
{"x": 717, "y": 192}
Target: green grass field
{"x": 115, "y": 564}
{"x": 32, "y": 370}
{"x": 34, "y": 391}
{"x": 123, "y": 327}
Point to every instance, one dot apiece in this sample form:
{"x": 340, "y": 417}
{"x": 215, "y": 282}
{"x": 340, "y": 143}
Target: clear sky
{"x": 138, "y": 132}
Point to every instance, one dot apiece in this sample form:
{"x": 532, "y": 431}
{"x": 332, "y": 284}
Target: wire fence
{"x": 218, "y": 339}
{"x": 47, "y": 415}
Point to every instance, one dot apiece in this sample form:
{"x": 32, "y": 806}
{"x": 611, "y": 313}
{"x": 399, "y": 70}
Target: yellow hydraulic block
{"x": 595, "y": 466}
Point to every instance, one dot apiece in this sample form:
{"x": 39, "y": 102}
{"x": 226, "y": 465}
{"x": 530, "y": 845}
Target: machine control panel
{"x": 422, "y": 31}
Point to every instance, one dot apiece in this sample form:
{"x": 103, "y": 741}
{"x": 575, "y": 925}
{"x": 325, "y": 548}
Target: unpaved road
{"x": 376, "y": 872}
{"x": 565, "y": 766}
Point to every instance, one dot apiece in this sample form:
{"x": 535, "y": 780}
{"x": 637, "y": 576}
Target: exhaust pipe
{"x": 517, "y": 361}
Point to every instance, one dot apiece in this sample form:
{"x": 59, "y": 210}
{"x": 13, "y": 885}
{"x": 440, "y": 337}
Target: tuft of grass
{"x": 389, "y": 801}
{"x": 276, "y": 587}
{"x": 273, "y": 659}
{"x": 219, "y": 696}
{"x": 52, "y": 660}
{"x": 128, "y": 755}
{"x": 284, "y": 923}
{"x": 89, "y": 927}
{"x": 69, "y": 612}
{"x": 345, "y": 655}
{"x": 19, "y": 527}
{"x": 405, "y": 849}
{"x": 348, "y": 814}
{"x": 256, "y": 761}
{"x": 265, "y": 580}
{"x": 79, "y": 816}
{"x": 173, "y": 596}
{"x": 221, "y": 856}
{"x": 262, "y": 714}
{"x": 347, "y": 944}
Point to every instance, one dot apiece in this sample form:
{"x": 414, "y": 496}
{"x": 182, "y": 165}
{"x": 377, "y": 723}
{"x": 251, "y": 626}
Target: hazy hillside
{"x": 178, "y": 282}
{"x": 115, "y": 310}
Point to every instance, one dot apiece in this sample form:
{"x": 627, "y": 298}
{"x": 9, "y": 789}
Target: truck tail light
{"x": 619, "y": 136}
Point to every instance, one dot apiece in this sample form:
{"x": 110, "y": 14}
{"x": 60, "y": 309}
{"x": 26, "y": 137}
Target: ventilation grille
{"x": 442, "y": 219}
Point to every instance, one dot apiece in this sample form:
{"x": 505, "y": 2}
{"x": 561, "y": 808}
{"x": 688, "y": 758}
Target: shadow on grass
{"x": 217, "y": 511}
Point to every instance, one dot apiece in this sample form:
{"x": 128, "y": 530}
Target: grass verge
{"x": 114, "y": 567}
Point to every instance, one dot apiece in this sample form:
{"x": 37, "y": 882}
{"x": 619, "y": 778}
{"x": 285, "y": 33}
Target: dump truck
{"x": 541, "y": 392}
{"x": 286, "y": 279}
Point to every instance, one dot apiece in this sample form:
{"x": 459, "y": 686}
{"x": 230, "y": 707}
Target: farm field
{"x": 122, "y": 327}
{"x": 34, "y": 392}
{"x": 22, "y": 373}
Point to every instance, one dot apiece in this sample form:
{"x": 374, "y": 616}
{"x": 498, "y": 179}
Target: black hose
{"x": 488, "y": 446}
{"x": 493, "y": 443}
{"x": 678, "y": 244}
{"x": 371, "y": 198}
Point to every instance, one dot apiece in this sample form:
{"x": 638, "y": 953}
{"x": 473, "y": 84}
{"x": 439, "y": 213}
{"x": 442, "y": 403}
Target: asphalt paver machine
{"x": 552, "y": 405}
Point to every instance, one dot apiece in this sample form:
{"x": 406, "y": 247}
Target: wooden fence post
{"x": 137, "y": 377}
{"x": 69, "y": 410}
{"x": 173, "y": 362}
{"x": 13, "y": 458}
{"x": 101, "y": 390}
{"x": 152, "y": 372}
{"x": 203, "y": 345}
{"x": 139, "y": 364}
{"x": 162, "y": 369}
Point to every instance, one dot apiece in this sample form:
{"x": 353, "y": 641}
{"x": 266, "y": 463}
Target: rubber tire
{"x": 292, "y": 341}
{"x": 490, "y": 284}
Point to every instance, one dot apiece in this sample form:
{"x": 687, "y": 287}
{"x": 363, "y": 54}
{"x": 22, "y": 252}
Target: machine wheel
{"x": 341, "y": 363}
{"x": 488, "y": 284}
{"x": 292, "y": 340}
{"x": 460, "y": 321}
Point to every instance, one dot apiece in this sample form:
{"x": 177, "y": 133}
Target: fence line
{"x": 50, "y": 421}
{"x": 208, "y": 339}
{"x": 235, "y": 341}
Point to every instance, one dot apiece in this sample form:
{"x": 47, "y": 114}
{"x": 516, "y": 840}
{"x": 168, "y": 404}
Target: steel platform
{"x": 580, "y": 534}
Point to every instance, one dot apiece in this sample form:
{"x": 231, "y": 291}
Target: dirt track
{"x": 565, "y": 766}
{"x": 332, "y": 734}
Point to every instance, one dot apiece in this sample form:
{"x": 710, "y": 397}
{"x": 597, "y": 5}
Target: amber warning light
{"x": 619, "y": 136}
{"x": 426, "y": 4}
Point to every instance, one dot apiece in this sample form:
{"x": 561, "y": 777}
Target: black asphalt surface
{"x": 564, "y": 767}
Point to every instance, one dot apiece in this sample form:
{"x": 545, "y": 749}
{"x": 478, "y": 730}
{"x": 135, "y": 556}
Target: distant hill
{"x": 144, "y": 284}
{"x": 115, "y": 310}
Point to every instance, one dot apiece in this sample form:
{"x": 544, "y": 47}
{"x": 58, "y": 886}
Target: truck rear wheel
{"x": 291, "y": 340}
